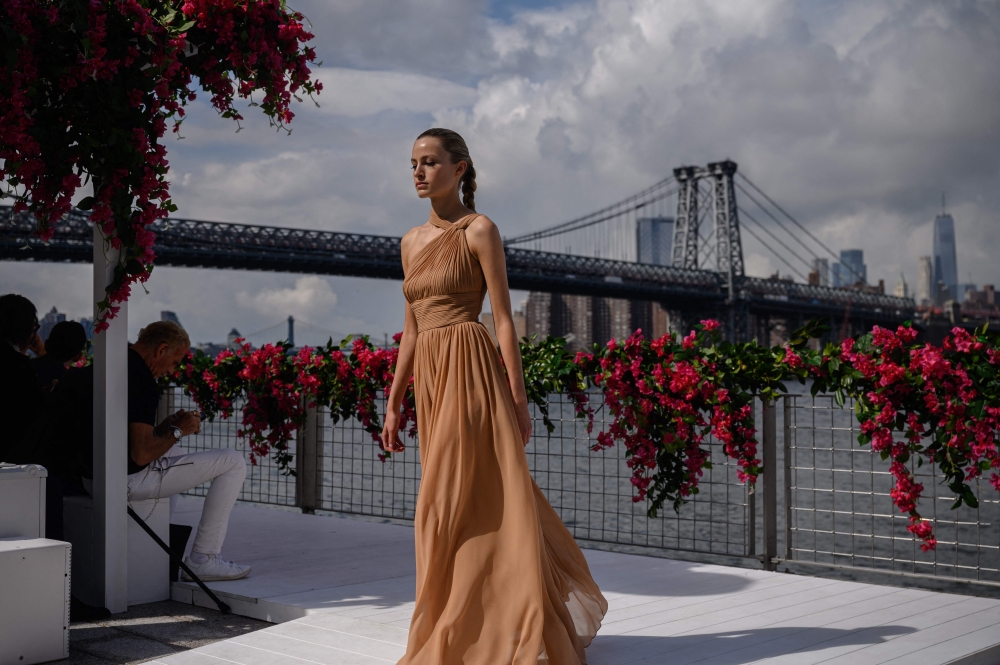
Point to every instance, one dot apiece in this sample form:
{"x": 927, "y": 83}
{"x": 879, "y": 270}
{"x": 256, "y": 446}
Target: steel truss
{"x": 198, "y": 244}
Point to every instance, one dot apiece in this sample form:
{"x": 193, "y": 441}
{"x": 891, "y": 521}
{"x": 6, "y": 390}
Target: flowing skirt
{"x": 500, "y": 579}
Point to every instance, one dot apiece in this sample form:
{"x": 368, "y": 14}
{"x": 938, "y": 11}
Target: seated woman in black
{"x": 63, "y": 348}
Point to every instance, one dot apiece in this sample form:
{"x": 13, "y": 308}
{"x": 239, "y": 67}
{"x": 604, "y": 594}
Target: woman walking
{"x": 500, "y": 580}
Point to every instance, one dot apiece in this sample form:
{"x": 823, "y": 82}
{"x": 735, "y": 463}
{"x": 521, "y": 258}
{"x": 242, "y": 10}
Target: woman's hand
{"x": 391, "y": 442}
{"x": 523, "y": 420}
{"x": 36, "y": 345}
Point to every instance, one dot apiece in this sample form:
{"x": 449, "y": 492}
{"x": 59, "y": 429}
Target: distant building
{"x": 822, "y": 269}
{"x": 88, "y": 325}
{"x": 654, "y": 240}
{"x": 902, "y": 289}
{"x": 170, "y": 316}
{"x": 588, "y": 320}
{"x": 945, "y": 261}
{"x": 231, "y": 338}
{"x": 49, "y": 322}
{"x": 963, "y": 290}
{"x": 486, "y": 318}
{"x": 986, "y": 298}
{"x": 851, "y": 270}
{"x": 925, "y": 281}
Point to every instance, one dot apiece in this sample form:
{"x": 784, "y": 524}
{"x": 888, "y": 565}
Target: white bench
{"x": 148, "y": 565}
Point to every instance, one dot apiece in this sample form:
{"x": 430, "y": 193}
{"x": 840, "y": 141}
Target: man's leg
{"x": 167, "y": 476}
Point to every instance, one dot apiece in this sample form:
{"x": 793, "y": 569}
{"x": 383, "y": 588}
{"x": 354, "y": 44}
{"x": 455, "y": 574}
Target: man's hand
{"x": 189, "y": 422}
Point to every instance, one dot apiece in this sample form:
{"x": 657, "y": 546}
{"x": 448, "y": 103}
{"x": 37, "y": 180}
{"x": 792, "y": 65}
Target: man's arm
{"x": 147, "y": 443}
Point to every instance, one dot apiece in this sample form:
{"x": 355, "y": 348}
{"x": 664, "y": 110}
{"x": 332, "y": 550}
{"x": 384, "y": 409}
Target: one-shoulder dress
{"x": 500, "y": 580}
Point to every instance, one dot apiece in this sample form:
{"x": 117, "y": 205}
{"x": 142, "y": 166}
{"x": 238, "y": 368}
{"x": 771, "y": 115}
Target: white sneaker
{"x": 216, "y": 569}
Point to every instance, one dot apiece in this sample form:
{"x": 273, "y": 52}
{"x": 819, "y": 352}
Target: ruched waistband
{"x": 447, "y": 310}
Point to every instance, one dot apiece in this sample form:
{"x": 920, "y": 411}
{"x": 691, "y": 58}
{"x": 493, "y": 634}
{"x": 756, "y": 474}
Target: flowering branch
{"x": 89, "y": 86}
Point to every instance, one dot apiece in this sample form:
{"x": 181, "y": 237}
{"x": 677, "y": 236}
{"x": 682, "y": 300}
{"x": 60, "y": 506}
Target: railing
{"x": 838, "y": 512}
{"x": 821, "y": 506}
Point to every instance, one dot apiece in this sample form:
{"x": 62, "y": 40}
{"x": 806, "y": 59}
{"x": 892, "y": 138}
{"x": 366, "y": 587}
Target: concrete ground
{"x": 152, "y": 631}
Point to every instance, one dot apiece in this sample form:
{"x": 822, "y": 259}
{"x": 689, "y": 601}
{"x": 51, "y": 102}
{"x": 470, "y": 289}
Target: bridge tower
{"x": 729, "y": 248}
{"x": 685, "y": 250}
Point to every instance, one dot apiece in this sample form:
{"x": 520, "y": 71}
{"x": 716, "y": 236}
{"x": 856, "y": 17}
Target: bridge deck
{"x": 341, "y": 591}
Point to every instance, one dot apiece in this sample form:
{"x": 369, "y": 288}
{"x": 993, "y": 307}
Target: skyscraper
{"x": 851, "y": 269}
{"x": 654, "y": 239}
{"x": 169, "y": 316}
{"x": 902, "y": 289}
{"x": 945, "y": 261}
{"x": 925, "y": 281}
{"x": 49, "y": 322}
{"x": 822, "y": 267}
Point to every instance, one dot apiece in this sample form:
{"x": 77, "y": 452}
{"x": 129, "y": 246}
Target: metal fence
{"x": 822, "y": 504}
{"x": 838, "y": 510}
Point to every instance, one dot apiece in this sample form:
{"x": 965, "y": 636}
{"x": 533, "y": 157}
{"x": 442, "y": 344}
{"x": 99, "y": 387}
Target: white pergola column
{"x": 110, "y": 441}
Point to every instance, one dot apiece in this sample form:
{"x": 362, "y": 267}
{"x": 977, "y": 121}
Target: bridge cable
{"x": 776, "y": 254}
{"x": 625, "y": 203}
{"x": 794, "y": 221}
{"x": 777, "y": 221}
{"x": 776, "y": 238}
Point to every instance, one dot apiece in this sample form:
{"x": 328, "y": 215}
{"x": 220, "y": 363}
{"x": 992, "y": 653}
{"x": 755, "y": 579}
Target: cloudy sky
{"x": 853, "y": 114}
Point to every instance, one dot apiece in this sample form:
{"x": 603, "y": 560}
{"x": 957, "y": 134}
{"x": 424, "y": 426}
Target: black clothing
{"x": 143, "y": 398}
{"x": 47, "y": 369}
{"x": 64, "y": 436}
{"x": 21, "y": 398}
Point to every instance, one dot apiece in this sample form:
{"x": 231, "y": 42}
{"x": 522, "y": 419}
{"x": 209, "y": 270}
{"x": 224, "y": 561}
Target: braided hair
{"x": 454, "y": 145}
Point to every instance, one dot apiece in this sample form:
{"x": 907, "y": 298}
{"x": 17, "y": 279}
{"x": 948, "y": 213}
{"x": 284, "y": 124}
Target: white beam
{"x": 110, "y": 440}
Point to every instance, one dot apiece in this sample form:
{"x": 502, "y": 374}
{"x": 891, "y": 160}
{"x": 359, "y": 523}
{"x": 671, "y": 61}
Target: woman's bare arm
{"x": 487, "y": 246}
{"x": 404, "y": 367}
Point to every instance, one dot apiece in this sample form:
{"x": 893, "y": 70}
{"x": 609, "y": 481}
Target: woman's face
{"x": 434, "y": 174}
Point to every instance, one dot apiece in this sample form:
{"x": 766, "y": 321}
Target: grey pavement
{"x": 152, "y": 631}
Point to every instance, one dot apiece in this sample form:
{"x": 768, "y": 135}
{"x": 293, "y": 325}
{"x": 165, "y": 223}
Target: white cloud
{"x": 311, "y": 299}
{"x": 357, "y": 93}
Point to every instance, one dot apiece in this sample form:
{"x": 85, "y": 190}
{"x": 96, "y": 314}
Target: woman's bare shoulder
{"x": 406, "y": 242}
{"x": 483, "y": 227}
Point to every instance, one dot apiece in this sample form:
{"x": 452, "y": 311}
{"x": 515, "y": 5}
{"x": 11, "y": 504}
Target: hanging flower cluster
{"x": 915, "y": 403}
{"x": 921, "y": 403}
{"x": 277, "y": 385}
{"x": 88, "y": 87}
{"x": 666, "y": 398}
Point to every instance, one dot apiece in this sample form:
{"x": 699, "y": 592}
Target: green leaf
{"x": 86, "y": 203}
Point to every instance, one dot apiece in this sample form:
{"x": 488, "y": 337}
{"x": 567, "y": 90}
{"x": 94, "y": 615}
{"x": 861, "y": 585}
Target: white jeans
{"x": 167, "y": 476}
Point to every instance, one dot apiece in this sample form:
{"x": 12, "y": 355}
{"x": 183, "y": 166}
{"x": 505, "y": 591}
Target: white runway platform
{"x": 341, "y": 593}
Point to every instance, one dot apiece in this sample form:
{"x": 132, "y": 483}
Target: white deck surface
{"x": 341, "y": 591}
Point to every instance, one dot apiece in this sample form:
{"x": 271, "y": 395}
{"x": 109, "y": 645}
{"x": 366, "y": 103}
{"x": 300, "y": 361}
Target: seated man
{"x": 153, "y": 475}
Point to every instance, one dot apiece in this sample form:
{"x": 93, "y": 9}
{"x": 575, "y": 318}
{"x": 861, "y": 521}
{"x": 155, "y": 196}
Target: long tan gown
{"x": 500, "y": 580}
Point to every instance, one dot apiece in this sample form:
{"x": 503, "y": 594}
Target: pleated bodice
{"x": 445, "y": 283}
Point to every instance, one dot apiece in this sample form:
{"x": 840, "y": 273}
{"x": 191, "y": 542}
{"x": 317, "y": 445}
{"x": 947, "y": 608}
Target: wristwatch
{"x": 177, "y": 433}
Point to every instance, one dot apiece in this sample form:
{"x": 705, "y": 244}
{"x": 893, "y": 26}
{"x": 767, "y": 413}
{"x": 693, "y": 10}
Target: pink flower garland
{"x": 95, "y": 103}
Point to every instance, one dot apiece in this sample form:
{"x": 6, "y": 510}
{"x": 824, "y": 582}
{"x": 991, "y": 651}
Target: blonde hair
{"x": 164, "y": 332}
{"x": 455, "y": 146}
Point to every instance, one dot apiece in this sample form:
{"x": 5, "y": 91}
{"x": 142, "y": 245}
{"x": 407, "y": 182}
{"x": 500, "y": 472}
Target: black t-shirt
{"x": 76, "y": 390}
{"x": 143, "y": 397}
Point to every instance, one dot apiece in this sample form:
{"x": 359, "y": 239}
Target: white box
{"x": 148, "y": 565}
{"x": 22, "y": 501}
{"x": 34, "y": 604}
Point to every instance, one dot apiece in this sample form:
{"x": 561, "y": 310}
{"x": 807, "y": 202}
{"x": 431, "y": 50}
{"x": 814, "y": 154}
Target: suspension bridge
{"x": 694, "y": 272}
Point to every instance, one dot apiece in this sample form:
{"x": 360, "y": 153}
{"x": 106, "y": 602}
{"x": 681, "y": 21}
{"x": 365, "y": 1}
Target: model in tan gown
{"x": 500, "y": 580}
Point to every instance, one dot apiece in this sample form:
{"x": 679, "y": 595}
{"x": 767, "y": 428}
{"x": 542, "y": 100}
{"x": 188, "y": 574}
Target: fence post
{"x": 307, "y": 451}
{"x": 770, "y": 508}
{"x": 787, "y": 478}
